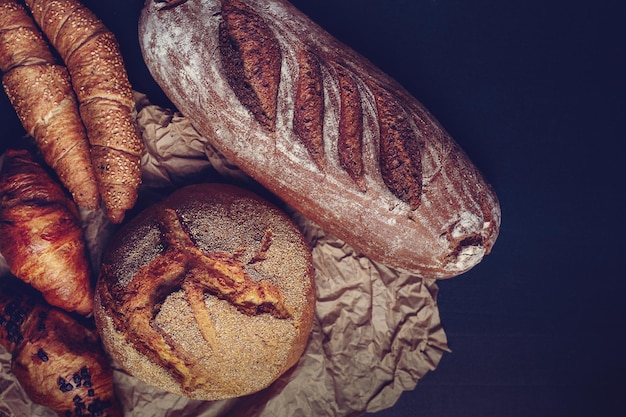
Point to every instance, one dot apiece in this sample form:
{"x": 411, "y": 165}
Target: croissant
{"x": 92, "y": 56}
{"x": 58, "y": 360}
{"x": 42, "y": 240}
{"x": 40, "y": 91}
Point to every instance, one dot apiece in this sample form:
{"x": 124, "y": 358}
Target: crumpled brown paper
{"x": 377, "y": 330}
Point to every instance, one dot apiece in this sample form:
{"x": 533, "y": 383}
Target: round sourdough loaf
{"x": 207, "y": 294}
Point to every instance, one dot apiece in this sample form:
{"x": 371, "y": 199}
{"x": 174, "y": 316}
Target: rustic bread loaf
{"x": 208, "y": 294}
{"x": 323, "y": 129}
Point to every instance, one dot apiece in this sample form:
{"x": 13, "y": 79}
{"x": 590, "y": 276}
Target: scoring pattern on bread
{"x": 208, "y": 294}
{"x": 324, "y": 129}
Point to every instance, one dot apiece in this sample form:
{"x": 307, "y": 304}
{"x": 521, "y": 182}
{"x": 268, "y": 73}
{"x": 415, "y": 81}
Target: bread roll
{"x": 106, "y": 103}
{"x": 324, "y": 129}
{"x": 41, "y": 236}
{"x": 40, "y": 90}
{"x": 58, "y": 360}
{"x": 208, "y": 294}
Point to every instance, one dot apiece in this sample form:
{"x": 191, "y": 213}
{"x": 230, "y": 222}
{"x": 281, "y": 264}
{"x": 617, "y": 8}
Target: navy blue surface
{"x": 534, "y": 91}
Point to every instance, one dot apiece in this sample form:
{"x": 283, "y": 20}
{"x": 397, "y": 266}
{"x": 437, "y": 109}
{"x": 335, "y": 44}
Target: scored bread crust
{"x": 173, "y": 325}
{"x": 324, "y": 129}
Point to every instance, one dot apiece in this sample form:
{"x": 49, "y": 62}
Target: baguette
{"x": 58, "y": 361}
{"x": 323, "y": 129}
{"x": 92, "y": 56}
{"x": 42, "y": 240}
{"x": 41, "y": 93}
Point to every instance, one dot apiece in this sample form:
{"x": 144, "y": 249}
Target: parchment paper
{"x": 377, "y": 330}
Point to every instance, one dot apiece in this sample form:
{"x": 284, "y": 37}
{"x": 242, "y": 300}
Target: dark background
{"x": 534, "y": 91}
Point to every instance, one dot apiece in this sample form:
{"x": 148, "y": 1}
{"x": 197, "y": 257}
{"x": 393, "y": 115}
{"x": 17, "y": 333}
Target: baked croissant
{"x": 58, "y": 360}
{"x": 91, "y": 54}
{"x": 42, "y": 240}
{"x": 41, "y": 93}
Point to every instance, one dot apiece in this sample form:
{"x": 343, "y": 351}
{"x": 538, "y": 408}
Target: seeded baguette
{"x": 40, "y": 90}
{"x": 324, "y": 129}
{"x": 92, "y": 56}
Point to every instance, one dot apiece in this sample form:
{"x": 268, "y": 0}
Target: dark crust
{"x": 46, "y": 342}
{"x": 251, "y": 60}
{"x": 21, "y": 42}
{"x": 400, "y": 154}
{"x": 350, "y": 141}
{"x": 170, "y": 4}
{"x": 308, "y": 118}
{"x": 15, "y": 311}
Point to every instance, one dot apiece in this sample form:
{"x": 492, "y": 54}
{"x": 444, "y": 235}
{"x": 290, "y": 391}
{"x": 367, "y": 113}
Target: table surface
{"x": 534, "y": 92}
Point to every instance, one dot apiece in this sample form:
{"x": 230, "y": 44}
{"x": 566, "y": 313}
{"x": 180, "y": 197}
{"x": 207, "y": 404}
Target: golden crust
{"x": 36, "y": 91}
{"x": 41, "y": 93}
{"x": 244, "y": 295}
{"x": 42, "y": 239}
{"x": 52, "y": 15}
{"x": 57, "y": 359}
{"x": 43, "y": 100}
{"x": 97, "y": 70}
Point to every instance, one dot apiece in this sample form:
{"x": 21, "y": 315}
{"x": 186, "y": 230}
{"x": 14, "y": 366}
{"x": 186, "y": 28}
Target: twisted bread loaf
{"x": 322, "y": 128}
{"x": 56, "y": 359}
{"x": 41, "y": 93}
{"x": 41, "y": 235}
{"x": 91, "y": 54}
{"x": 208, "y": 294}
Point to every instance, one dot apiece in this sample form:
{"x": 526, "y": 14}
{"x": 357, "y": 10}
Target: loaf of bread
{"x": 41, "y": 236}
{"x": 324, "y": 129}
{"x": 58, "y": 360}
{"x": 208, "y": 294}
